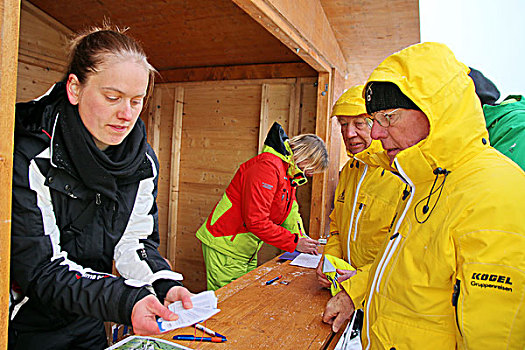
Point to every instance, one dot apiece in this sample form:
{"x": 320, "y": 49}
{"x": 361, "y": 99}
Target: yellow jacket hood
{"x": 350, "y": 103}
{"x": 431, "y": 76}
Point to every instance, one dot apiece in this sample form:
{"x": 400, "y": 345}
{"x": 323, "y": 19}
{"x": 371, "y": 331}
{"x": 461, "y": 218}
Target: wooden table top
{"x": 278, "y": 316}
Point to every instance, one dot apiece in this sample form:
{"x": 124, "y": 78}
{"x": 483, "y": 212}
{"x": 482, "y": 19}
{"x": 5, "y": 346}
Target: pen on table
{"x": 193, "y": 338}
{"x": 273, "y": 279}
{"x": 208, "y": 331}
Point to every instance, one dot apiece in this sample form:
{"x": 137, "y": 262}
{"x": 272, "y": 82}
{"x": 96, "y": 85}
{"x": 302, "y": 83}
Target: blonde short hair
{"x": 311, "y": 149}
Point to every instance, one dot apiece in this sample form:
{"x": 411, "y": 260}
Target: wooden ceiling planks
{"x": 370, "y": 30}
{"x": 180, "y": 33}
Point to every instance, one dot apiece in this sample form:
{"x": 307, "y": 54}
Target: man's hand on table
{"x": 338, "y": 310}
{"x": 143, "y": 316}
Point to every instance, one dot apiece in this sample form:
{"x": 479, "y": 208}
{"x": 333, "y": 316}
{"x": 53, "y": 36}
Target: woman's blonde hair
{"x": 311, "y": 149}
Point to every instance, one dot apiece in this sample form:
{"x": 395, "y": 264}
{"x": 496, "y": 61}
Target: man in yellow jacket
{"x": 365, "y": 199}
{"x": 452, "y": 273}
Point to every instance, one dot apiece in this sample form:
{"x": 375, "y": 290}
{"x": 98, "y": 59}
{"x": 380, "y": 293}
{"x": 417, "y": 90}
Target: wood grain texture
{"x": 180, "y": 33}
{"x": 9, "y": 26}
{"x": 278, "y": 316}
{"x": 220, "y": 130}
{"x": 42, "y": 56}
{"x": 370, "y": 30}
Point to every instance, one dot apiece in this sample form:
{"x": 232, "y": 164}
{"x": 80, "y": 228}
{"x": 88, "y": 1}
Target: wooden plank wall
{"x": 219, "y": 126}
{"x": 9, "y": 27}
{"x": 42, "y": 58}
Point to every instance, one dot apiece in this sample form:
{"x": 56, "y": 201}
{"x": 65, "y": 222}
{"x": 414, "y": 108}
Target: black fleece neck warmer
{"x": 74, "y": 150}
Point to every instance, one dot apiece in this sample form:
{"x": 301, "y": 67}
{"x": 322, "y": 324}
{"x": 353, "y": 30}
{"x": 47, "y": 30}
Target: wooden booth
{"x": 227, "y": 70}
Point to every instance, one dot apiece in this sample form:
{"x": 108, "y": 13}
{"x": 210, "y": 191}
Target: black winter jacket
{"x": 66, "y": 236}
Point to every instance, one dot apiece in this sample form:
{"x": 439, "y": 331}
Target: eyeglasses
{"x": 384, "y": 119}
{"x": 358, "y": 123}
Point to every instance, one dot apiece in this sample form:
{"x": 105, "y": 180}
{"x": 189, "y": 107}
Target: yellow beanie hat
{"x": 351, "y": 102}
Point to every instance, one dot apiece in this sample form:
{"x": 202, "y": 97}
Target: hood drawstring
{"x": 425, "y": 209}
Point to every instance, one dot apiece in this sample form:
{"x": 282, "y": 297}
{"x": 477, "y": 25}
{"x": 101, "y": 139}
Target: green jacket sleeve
{"x": 294, "y": 222}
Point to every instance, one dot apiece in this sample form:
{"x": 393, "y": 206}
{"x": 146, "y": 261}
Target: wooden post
{"x": 9, "y": 25}
{"x": 176, "y": 141}
{"x": 318, "y": 212}
{"x": 154, "y": 117}
{"x": 263, "y": 123}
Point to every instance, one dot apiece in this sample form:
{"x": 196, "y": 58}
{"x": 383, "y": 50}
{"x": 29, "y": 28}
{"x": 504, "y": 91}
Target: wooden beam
{"x": 154, "y": 116}
{"x": 9, "y": 29}
{"x": 176, "y": 141}
{"x": 295, "y": 104}
{"x": 334, "y": 147}
{"x": 263, "y": 122}
{"x": 301, "y": 25}
{"x": 251, "y": 71}
{"x": 318, "y": 208}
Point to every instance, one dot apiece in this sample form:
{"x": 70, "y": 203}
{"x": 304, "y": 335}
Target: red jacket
{"x": 257, "y": 205}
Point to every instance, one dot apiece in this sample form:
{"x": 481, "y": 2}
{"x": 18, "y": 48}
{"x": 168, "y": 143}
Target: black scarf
{"x": 75, "y": 151}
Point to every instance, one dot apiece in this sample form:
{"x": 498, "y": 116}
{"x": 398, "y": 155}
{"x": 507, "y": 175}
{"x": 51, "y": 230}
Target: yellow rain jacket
{"x": 451, "y": 276}
{"x": 364, "y": 204}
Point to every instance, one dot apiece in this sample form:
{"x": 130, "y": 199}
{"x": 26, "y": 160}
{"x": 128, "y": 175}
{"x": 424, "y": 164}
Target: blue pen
{"x": 193, "y": 338}
{"x": 273, "y": 279}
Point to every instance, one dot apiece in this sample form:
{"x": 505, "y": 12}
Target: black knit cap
{"x": 386, "y": 95}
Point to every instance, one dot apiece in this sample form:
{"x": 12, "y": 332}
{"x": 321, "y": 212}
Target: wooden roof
{"x": 368, "y": 31}
{"x": 217, "y": 33}
{"x": 179, "y": 34}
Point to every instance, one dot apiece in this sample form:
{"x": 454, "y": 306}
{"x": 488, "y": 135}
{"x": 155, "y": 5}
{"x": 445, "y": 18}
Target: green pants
{"x": 222, "y": 269}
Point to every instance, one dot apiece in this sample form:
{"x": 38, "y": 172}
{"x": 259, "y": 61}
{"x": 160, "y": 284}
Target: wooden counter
{"x": 277, "y": 316}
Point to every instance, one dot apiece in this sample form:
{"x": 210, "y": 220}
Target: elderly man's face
{"x": 355, "y": 132}
{"x": 407, "y": 127}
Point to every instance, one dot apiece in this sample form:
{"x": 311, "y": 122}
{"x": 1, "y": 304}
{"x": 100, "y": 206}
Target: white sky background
{"x": 488, "y": 35}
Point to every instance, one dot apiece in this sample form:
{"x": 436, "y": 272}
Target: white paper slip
{"x": 328, "y": 266}
{"x": 307, "y": 260}
{"x": 204, "y": 307}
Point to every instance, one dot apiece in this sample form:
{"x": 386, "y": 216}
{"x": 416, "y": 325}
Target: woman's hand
{"x": 143, "y": 316}
{"x": 307, "y": 245}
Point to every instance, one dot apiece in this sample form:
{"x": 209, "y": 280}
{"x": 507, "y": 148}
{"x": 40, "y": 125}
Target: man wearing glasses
{"x": 452, "y": 273}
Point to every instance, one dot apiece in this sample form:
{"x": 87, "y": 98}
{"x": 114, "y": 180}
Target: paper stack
{"x": 204, "y": 307}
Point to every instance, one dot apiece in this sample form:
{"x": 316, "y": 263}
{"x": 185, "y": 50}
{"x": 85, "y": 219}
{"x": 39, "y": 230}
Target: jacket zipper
{"x": 455, "y": 299}
{"x": 349, "y": 234}
{"x": 361, "y": 205}
{"x": 389, "y": 251}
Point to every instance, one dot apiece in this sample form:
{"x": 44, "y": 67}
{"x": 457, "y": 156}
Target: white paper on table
{"x": 307, "y": 260}
{"x": 204, "y": 307}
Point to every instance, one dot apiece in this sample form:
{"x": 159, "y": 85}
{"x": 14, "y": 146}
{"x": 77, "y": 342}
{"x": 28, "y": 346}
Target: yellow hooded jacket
{"x": 365, "y": 201}
{"x": 452, "y": 276}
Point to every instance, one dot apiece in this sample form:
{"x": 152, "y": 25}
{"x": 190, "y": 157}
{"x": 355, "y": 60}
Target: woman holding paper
{"x": 84, "y": 190}
{"x": 260, "y": 206}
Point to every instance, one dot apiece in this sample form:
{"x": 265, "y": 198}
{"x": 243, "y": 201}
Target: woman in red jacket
{"x": 259, "y": 206}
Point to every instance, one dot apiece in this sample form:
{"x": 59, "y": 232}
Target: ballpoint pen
{"x": 208, "y": 331}
{"x": 193, "y": 338}
{"x": 273, "y": 279}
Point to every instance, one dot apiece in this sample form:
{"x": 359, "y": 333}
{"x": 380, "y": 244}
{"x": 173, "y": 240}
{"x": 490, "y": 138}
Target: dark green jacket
{"x": 506, "y": 126}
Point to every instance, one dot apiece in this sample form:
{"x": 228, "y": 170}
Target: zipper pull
{"x": 455, "y": 294}
{"x": 97, "y": 199}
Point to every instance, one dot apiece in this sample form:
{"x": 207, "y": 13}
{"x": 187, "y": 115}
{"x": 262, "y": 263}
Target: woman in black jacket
{"x": 84, "y": 190}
